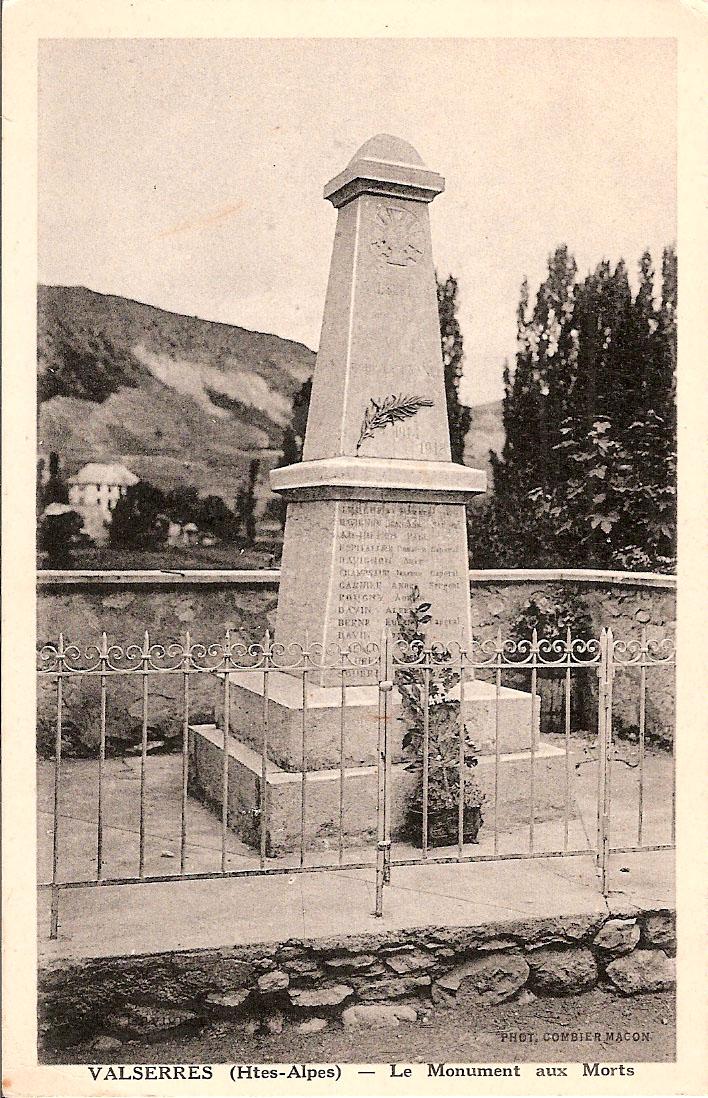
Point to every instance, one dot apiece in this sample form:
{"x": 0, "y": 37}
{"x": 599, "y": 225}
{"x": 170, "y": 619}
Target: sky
{"x": 188, "y": 173}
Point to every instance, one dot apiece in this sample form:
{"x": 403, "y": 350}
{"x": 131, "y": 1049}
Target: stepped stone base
{"x": 322, "y": 793}
{"x": 322, "y": 719}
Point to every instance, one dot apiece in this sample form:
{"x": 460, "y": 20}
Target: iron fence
{"x": 566, "y": 659}
{"x": 424, "y": 697}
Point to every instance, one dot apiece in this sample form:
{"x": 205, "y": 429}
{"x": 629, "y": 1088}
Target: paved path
{"x": 118, "y": 920}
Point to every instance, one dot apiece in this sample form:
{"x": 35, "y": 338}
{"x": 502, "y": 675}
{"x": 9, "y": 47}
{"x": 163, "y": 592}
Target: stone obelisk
{"x": 376, "y": 507}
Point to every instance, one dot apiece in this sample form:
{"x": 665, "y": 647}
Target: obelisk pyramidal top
{"x": 381, "y": 282}
{"x": 376, "y": 506}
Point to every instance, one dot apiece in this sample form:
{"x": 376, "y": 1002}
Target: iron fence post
{"x": 600, "y": 748}
{"x": 54, "y": 908}
{"x": 383, "y": 844}
{"x": 607, "y": 791}
{"x": 604, "y": 758}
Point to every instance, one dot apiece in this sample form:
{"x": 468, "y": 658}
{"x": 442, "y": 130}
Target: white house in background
{"x": 94, "y": 492}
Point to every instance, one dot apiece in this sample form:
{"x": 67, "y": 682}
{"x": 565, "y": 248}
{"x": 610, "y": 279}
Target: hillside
{"x": 172, "y": 397}
{"x": 486, "y": 433}
{"x": 175, "y": 398}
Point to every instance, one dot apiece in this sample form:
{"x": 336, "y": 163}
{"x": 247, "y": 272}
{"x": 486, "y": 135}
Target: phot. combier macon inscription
{"x": 376, "y": 507}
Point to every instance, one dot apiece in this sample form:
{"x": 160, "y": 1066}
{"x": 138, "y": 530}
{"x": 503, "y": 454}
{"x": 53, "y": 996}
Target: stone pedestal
{"x": 359, "y": 803}
{"x": 323, "y": 724}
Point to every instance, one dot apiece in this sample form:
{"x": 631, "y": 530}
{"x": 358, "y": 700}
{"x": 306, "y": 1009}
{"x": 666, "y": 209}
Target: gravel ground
{"x": 538, "y": 1028}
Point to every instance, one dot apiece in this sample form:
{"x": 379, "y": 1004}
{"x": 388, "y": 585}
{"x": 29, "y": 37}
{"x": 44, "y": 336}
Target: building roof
{"x": 97, "y": 473}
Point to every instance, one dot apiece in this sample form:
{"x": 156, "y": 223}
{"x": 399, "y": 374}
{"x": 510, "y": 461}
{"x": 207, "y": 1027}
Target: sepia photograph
{"x": 356, "y": 558}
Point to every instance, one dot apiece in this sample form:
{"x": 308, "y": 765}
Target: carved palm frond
{"x": 390, "y": 410}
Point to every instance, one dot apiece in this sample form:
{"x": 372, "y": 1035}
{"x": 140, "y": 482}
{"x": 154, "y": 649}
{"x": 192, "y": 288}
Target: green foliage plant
{"x": 443, "y": 715}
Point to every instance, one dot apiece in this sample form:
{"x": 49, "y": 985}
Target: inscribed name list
{"x": 383, "y": 551}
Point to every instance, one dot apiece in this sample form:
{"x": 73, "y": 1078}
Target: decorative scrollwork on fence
{"x": 235, "y": 653}
{"x": 531, "y": 652}
{"x": 644, "y": 652}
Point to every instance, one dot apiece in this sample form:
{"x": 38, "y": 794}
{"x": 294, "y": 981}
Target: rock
{"x": 622, "y": 908}
{"x": 525, "y": 997}
{"x": 167, "y": 854}
{"x": 194, "y": 976}
{"x": 357, "y": 943}
{"x": 145, "y": 1020}
{"x": 458, "y": 938}
{"x": 617, "y": 936}
{"x": 106, "y": 1044}
{"x": 561, "y": 928}
{"x": 274, "y": 1024}
{"x": 491, "y": 978}
{"x": 611, "y": 606}
{"x": 497, "y": 945}
{"x": 312, "y": 1025}
{"x": 276, "y": 980}
{"x": 352, "y": 962}
{"x": 441, "y": 997}
{"x": 229, "y": 1000}
{"x": 563, "y": 971}
{"x": 378, "y": 1016}
{"x": 320, "y": 996}
{"x": 302, "y": 966}
{"x": 410, "y": 962}
{"x": 642, "y": 970}
{"x": 379, "y": 990}
{"x": 660, "y": 930}
{"x": 289, "y": 953}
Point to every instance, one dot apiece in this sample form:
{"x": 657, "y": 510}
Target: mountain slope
{"x": 486, "y": 433}
{"x": 173, "y": 397}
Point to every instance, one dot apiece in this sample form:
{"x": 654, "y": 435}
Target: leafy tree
{"x": 587, "y": 473}
{"x": 58, "y": 535}
{"x": 301, "y": 407}
{"x": 39, "y": 486}
{"x": 138, "y": 519}
{"x": 56, "y": 490}
{"x": 183, "y": 503}
{"x": 458, "y": 414}
{"x": 294, "y": 437}
{"x": 217, "y": 517}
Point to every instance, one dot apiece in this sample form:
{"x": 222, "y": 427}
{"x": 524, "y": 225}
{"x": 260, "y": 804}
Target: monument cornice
{"x": 383, "y": 178}
{"x": 378, "y": 479}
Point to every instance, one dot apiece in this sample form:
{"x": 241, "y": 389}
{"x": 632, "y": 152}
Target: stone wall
{"x": 622, "y": 601}
{"x": 366, "y": 980}
{"x": 82, "y": 605}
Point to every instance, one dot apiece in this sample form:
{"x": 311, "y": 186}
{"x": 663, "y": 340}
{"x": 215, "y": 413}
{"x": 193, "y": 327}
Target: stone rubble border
{"x": 371, "y": 980}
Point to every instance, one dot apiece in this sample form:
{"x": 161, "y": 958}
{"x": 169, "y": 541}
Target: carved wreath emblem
{"x": 390, "y": 410}
{"x": 399, "y": 240}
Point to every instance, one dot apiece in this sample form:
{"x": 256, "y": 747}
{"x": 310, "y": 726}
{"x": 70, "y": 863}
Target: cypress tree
{"x": 458, "y": 414}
